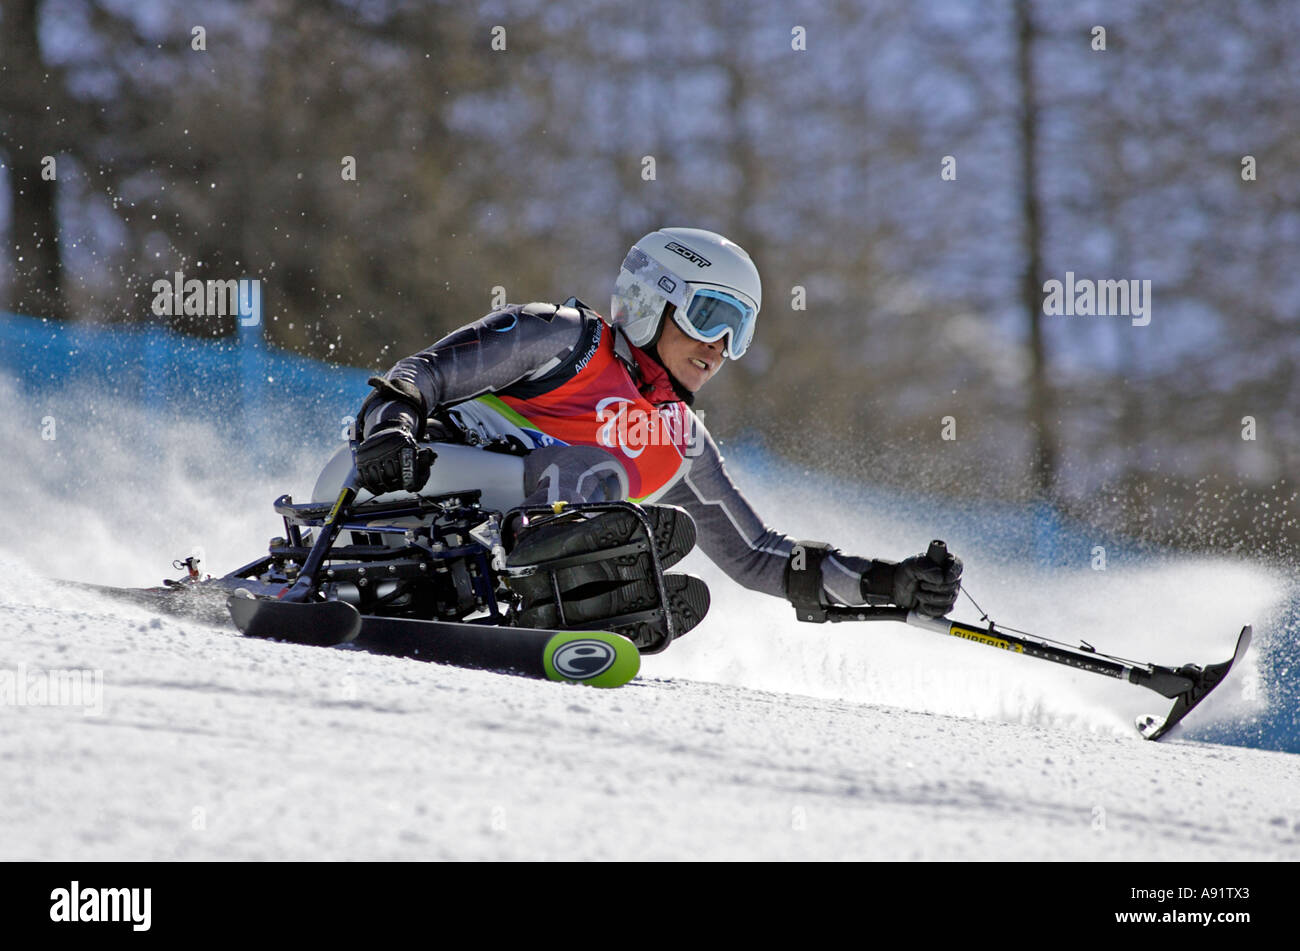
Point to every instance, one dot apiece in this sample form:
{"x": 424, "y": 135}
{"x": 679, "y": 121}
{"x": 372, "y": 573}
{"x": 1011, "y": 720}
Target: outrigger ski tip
{"x": 1203, "y": 681}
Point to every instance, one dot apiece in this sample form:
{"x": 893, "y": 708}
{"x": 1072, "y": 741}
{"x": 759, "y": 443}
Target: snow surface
{"x": 754, "y": 737}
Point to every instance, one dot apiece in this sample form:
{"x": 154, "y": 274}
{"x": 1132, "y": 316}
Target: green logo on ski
{"x": 595, "y": 658}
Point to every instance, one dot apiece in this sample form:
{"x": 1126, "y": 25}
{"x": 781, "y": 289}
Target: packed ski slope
{"x": 754, "y": 737}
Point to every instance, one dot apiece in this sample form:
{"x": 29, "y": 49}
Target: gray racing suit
{"x": 540, "y": 376}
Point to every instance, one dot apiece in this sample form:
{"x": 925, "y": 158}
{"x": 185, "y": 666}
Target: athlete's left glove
{"x": 390, "y": 460}
{"x": 917, "y": 583}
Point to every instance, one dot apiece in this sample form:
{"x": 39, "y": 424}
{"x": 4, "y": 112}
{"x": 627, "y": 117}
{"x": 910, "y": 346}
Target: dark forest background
{"x": 814, "y": 134}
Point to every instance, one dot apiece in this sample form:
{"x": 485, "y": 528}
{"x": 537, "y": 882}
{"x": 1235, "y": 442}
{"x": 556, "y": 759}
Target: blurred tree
{"x": 34, "y": 129}
{"x": 1040, "y": 396}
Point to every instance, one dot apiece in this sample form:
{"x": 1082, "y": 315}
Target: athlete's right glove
{"x": 390, "y": 460}
{"x": 921, "y": 583}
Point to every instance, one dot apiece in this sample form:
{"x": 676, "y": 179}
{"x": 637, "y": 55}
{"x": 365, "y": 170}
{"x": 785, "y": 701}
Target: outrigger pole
{"x": 1187, "y": 685}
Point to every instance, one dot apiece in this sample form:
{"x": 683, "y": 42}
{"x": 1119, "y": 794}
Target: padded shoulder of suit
{"x": 548, "y": 311}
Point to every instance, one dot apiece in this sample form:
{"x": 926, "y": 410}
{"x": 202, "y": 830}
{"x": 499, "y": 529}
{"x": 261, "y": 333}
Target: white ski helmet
{"x": 710, "y": 281}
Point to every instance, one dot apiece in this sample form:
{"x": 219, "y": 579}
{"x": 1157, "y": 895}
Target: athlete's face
{"x": 691, "y": 361}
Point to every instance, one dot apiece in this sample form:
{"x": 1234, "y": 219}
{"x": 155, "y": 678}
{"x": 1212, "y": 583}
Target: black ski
{"x": 595, "y": 658}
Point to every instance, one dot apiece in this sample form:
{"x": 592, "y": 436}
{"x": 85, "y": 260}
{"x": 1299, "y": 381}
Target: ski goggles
{"x": 710, "y": 314}
{"x": 702, "y": 312}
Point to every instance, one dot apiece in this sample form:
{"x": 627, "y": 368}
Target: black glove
{"x": 390, "y": 460}
{"x": 915, "y": 583}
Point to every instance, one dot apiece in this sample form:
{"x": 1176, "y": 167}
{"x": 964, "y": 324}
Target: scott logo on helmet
{"x": 693, "y": 256}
